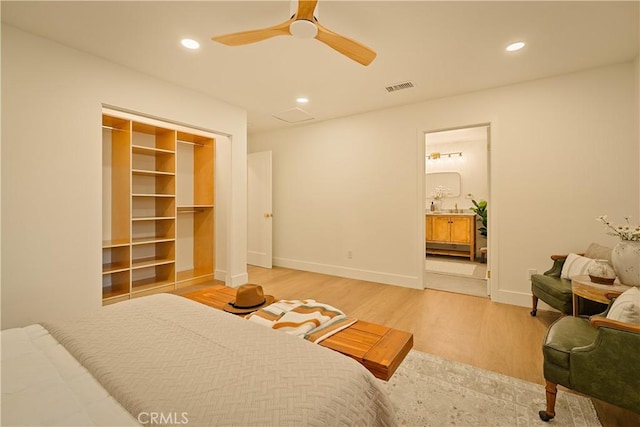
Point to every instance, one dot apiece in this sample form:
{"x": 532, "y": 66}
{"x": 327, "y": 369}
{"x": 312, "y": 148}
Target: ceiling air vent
{"x": 399, "y": 86}
{"x": 293, "y": 115}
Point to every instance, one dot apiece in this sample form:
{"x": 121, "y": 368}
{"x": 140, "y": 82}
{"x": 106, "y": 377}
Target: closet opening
{"x": 456, "y": 206}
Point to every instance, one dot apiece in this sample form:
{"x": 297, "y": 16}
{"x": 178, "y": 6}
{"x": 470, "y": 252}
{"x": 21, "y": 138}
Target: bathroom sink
{"x": 449, "y": 212}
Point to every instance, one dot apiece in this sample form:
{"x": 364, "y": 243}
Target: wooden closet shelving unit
{"x": 158, "y": 213}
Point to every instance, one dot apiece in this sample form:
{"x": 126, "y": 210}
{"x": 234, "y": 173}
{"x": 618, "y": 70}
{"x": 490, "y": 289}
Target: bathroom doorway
{"x": 456, "y": 205}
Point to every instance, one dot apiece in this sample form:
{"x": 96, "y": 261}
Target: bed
{"x": 164, "y": 359}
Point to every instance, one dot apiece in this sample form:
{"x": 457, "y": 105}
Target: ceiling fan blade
{"x": 350, "y": 48}
{"x": 253, "y": 36}
{"x": 306, "y": 9}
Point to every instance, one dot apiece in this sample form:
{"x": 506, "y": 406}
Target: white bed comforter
{"x": 43, "y": 385}
{"x": 181, "y": 362}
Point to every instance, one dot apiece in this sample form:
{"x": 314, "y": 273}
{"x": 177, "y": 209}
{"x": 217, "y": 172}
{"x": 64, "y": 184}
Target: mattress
{"x": 42, "y": 384}
{"x": 181, "y": 362}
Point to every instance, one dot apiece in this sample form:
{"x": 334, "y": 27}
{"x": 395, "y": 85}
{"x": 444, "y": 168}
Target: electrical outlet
{"x": 349, "y": 254}
{"x": 531, "y": 272}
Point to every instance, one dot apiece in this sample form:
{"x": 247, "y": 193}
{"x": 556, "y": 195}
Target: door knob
{"x": 268, "y": 215}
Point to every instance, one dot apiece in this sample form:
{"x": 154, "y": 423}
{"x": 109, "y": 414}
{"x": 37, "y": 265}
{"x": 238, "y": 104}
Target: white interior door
{"x": 259, "y": 215}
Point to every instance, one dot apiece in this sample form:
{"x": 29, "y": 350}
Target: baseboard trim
{"x": 237, "y": 280}
{"x": 350, "y": 273}
{"x": 220, "y": 275}
{"x": 522, "y": 299}
{"x": 231, "y": 281}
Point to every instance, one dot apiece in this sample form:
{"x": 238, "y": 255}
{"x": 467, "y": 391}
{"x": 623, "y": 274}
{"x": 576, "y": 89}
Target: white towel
{"x": 306, "y": 319}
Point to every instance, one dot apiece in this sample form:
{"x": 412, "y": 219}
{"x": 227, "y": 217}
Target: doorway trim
{"x": 492, "y": 280}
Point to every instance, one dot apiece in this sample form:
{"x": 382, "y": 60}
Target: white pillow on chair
{"x": 575, "y": 265}
{"x": 626, "y": 308}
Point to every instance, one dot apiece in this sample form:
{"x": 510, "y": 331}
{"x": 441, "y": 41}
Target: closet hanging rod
{"x": 190, "y": 143}
{"x": 191, "y": 211}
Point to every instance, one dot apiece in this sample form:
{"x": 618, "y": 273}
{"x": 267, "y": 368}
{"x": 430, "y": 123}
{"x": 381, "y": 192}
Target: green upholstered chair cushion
{"x": 553, "y": 286}
{"x": 564, "y": 335}
{"x": 554, "y": 291}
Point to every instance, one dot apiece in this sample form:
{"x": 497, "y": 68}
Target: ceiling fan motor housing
{"x": 303, "y": 29}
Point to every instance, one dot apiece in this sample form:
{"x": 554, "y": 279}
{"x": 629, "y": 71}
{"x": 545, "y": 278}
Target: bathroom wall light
{"x": 436, "y": 155}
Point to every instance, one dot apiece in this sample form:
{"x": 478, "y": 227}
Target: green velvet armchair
{"x": 595, "y": 356}
{"x": 552, "y": 289}
{"x": 556, "y": 291}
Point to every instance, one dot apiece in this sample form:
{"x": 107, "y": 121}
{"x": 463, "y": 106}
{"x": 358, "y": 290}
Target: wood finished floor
{"x": 497, "y": 337}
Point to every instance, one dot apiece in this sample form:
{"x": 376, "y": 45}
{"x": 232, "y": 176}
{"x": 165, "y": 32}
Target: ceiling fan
{"x": 305, "y": 25}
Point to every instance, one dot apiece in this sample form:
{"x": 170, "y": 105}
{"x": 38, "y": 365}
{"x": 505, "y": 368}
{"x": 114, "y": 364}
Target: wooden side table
{"x": 583, "y": 287}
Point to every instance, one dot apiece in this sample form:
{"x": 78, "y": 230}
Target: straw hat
{"x": 249, "y": 297}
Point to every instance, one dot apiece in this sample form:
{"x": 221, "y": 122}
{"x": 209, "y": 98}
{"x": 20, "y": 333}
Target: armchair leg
{"x": 552, "y": 391}
{"x": 534, "y": 311}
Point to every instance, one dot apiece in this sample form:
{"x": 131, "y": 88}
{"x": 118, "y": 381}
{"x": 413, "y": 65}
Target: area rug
{"x": 429, "y": 391}
{"x": 449, "y": 267}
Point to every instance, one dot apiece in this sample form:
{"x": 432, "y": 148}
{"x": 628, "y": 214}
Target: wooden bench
{"x": 378, "y": 348}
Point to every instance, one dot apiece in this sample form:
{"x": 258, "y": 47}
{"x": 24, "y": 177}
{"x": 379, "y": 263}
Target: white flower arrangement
{"x": 624, "y": 232}
{"x": 440, "y": 193}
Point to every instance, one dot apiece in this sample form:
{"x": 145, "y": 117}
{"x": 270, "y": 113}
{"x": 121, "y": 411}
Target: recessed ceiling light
{"x": 190, "y": 43}
{"x": 302, "y": 100}
{"x": 515, "y": 46}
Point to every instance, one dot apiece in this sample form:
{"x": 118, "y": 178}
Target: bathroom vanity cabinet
{"x": 454, "y": 234}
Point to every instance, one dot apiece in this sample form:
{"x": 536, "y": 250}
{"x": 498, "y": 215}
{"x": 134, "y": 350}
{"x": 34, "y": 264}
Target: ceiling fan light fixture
{"x": 303, "y": 29}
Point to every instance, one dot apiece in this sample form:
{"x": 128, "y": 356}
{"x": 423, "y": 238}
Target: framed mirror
{"x": 449, "y": 180}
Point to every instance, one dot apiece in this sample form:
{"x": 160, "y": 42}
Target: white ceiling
{"x": 444, "y": 48}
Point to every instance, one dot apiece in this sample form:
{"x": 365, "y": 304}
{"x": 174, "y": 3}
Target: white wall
{"x": 51, "y": 171}
{"x": 563, "y": 151}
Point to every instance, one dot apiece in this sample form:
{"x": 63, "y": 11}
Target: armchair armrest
{"x": 598, "y": 322}
{"x": 558, "y": 263}
{"x": 609, "y": 368}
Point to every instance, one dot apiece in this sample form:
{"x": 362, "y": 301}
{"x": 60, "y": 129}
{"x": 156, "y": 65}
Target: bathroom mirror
{"x": 449, "y": 180}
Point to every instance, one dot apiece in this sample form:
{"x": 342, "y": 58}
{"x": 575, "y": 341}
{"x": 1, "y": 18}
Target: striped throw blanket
{"x": 306, "y": 319}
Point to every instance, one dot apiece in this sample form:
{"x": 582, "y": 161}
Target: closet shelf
{"x": 149, "y": 240}
{"x": 153, "y": 218}
{"x": 153, "y": 195}
{"x": 113, "y": 292}
{"x": 151, "y": 172}
{"x": 149, "y": 262}
{"x": 114, "y": 267}
{"x": 141, "y": 149}
{"x": 195, "y": 207}
{"x": 149, "y": 284}
{"x": 116, "y": 243}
